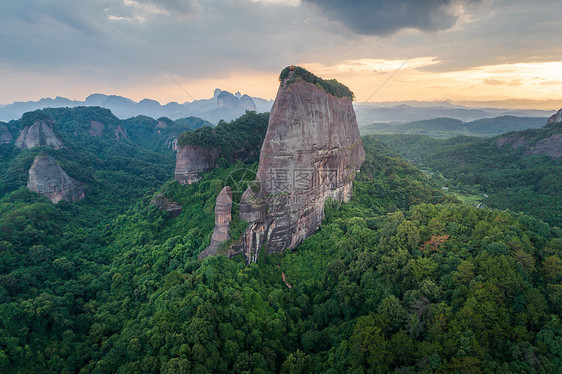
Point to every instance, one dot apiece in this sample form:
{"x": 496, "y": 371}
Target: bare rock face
{"x": 5, "y": 134}
{"x": 174, "y": 209}
{"x": 549, "y": 145}
{"x": 192, "y": 160}
{"x": 227, "y": 100}
{"x": 247, "y": 103}
{"x": 223, "y": 217}
{"x": 96, "y": 129}
{"x": 39, "y": 134}
{"x": 172, "y": 143}
{"x": 311, "y": 152}
{"x": 47, "y": 178}
{"x": 120, "y": 133}
{"x": 555, "y": 118}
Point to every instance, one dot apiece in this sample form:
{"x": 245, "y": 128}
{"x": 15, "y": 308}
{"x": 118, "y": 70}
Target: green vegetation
{"x": 160, "y": 134}
{"x": 444, "y": 128}
{"x": 240, "y": 139}
{"x": 513, "y": 180}
{"x": 331, "y": 86}
{"x": 402, "y": 279}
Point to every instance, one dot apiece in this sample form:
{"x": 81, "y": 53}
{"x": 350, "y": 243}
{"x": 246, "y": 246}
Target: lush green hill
{"x": 402, "y": 278}
{"x": 512, "y": 178}
{"x": 160, "y": 134}
{"x": 238, "y": 140}
{"x": 443, "y": 128}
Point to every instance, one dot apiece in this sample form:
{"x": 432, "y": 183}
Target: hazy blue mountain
{"x": 446, "y": 127}
{"x": 212, "y": 109}
{"x": 394, "y": 113}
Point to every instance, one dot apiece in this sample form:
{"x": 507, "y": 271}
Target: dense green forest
{"x": 159, "y": 134}
{"x": 238, "y": 140}
{"x": 403, "y": 278}
{"x": 511, "y": 178}
{"x": 443, "y": 128}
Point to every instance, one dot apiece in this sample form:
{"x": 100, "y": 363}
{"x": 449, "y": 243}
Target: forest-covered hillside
{"x": 403, "y": 278}
{"x": 445, "y": 127}
{"x": 517, "y": 171}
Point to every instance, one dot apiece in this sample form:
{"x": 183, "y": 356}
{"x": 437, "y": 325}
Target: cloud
{"x": 497, "y": 82}
{"x": 109, "y": 43}
{"x": 386, "y": 17}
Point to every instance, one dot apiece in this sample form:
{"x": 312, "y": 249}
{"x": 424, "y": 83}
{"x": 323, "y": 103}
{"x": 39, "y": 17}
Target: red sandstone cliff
{"x": 5, "y": 134}
{"x": 311, "y": 152}
{"x": 47, "y": 178}
{"x": 222, "y": 222}
{"x": 38, "y": 134}
{"x": 192, "y": 160}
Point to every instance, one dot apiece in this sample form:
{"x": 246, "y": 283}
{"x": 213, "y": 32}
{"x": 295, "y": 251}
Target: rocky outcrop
{"x": 514, "y": 140}
{"x": 192, "y": 160}
{"x": 247, "y": 103}
{"x": 311, "y": 152}
{"x": 227, "y": 100}
{"x": 163, "y": 203}
{"x": 38, "y": 134}
{"x": 555, "y": 118}
{"x": 545, "y": 141}
{"x": 5, "y": 134}
{"x": 48, "y": 179}
{"x": 96, "y": 129}
{"x": 551, "y": 146}
{"x": 120, "y": 133}
{"x": 235, "y": 102}
{"x": 172, "y": 143}
{"x": 223, "y": 217}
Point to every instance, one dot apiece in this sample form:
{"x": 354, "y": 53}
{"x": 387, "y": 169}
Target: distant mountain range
{"x": 227, "y": 106}
{"x": 223, "y": 105}
{"x": 396, "y": 113}
{"x": 446, "y": 127}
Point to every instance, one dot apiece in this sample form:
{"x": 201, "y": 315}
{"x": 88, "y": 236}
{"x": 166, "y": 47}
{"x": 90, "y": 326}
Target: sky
{"x": 180, "y": 50}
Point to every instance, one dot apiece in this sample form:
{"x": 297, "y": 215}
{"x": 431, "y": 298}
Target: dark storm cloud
{"x": 385, "y": 17}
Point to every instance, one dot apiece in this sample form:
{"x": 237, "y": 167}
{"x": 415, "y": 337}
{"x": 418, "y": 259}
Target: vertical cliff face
{"x": 311, "y": 152}
{"x": 47, "y": 178}
{"x": 223, "y": 217}
{"x": 39, "y": 134}
{"x": 5, "y": 134}
{"x": 192, "y": 160}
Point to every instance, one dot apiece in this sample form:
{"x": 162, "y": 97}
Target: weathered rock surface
{"x": 96, "y": 129}
{"x": 192, "y": 160}
{"x": 223, "y": 217}
{"x": 311, "y": 152}
{"x": 172, "y": 143}
{"x": 550, "y": 144}
{"x": 235, "y": 102}
{"x": 120, "y": 133}
{"x": 38, "y": 134}
{"x": 163, "y": 203}
{"x": 227, "y": 100}
{"x": 5, "y": 134}
{"x": 555, "y": 118}
{"x": 47, "y": 178}
{"x": 247, "y": 103}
